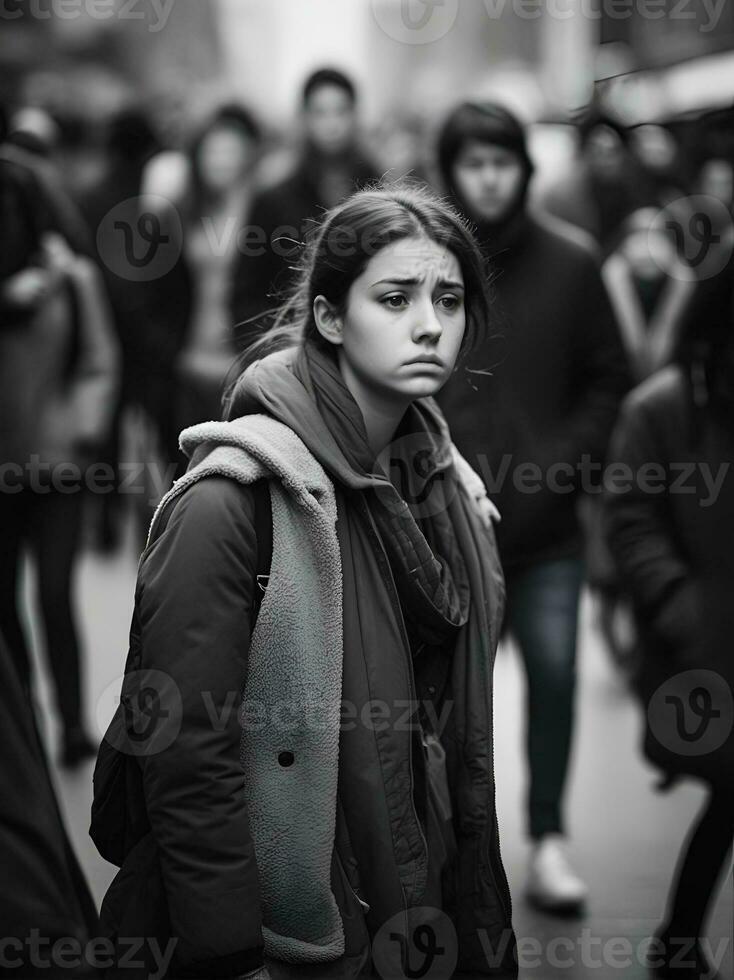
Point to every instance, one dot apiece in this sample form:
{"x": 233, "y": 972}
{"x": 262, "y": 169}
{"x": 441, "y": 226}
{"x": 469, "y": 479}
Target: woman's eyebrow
{"x": 399, "y": 281}
{"x": 413, "y": 281}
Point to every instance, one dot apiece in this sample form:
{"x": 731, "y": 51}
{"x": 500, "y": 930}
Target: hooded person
{"x": 531, "y": 410}
{"x": 343, "y": 818}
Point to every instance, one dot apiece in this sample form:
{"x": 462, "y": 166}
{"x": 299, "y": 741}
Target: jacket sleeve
{"x": 195, "y": 603}
{"x": 638, "y": 528}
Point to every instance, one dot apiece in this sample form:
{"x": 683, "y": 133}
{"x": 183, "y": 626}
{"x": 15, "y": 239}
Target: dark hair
{"x": 596, "y": 118}
{"x": 343, "y": 243}
{"x": 229, "y": 116}
{"x": 486, "y": 122}
{"x": 328, "y": 76}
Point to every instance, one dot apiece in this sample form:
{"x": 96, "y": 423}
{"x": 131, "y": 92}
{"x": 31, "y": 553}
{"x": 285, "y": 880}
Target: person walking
{"x": 604, "y": 183}
{"x": 329, "y": 167}
{"x": 58, "y": 381}
{"x": 221, "y": 176}
{"x": 672, "y": 547}
{"x": 351, "y": 799}
{"x": 533, "y": 406}
{"x": 651, "y": 288}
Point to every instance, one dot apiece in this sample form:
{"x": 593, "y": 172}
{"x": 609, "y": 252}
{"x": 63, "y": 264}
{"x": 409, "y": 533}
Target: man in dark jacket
{"x": 330, "y": 168}
{"x": 531, "y": 410}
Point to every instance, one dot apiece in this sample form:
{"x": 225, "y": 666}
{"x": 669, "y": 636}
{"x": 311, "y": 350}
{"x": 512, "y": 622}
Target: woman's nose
{"x": 427, "y": 324}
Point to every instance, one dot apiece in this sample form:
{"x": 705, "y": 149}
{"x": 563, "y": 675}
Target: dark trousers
{"x": 49, "y": 524}
{"x": 542, "y": 615}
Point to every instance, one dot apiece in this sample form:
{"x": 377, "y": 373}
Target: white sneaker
{"x": 553, "y": 885}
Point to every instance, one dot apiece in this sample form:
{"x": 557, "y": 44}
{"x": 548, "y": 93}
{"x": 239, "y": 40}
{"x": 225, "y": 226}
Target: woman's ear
{"x": 327, "y": 320}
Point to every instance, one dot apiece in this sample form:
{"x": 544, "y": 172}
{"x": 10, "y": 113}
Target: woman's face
{"x": 489, "y": 179}
{"x": 224, "y": 157}
{"x": 405, "y": 320}
{"x": 330, "y": 119}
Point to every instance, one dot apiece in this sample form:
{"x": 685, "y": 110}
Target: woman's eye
{"x": 450, "y": 303}
{"x": 395, "y": 302}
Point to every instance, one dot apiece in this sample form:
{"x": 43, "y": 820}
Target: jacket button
{"x": 431, "y": 689}
{"x": 286, "y": 759}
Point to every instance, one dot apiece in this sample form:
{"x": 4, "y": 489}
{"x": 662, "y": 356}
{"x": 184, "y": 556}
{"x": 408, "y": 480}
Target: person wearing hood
{"x": 330, "y": 167}
{"x": 670, "y": 535}
{"x": 531, "y": 411}
{"x": 316, "y": 618}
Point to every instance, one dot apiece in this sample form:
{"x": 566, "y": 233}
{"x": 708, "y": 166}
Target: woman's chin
{"x": 421, "y": 387}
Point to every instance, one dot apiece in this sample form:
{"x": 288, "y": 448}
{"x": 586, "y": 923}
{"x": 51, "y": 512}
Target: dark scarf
{"x": 429, "y": 572}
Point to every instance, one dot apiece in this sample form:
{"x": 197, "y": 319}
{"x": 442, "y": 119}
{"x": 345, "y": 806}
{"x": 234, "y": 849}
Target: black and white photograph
{"x": 366, "y": 491}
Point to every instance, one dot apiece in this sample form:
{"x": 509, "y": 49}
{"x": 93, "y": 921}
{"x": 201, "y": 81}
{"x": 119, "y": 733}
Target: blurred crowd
{"x": 140, "y": 259}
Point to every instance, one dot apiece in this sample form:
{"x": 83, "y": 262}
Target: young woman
{"x": 343, "y": 819}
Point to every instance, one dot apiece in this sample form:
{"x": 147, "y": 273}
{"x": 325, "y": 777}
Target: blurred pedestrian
{"x": 657, "y": 149}
{"x": 203, "y": 192}
{"x": 605, "y": 183}
{"x": 294, "y": 850}
{"x": 58, "y": 364}
{"x": 537, "y": 407}
{"x": 330, "y": 167}
{"x": 129, "y": 144}
{"x": 399, "y": 143}
{"x": 650, "y": 285}
{"x": 222, "y": 162}
{"x": 32, "y": 141}
{"x": 672, "y": 541}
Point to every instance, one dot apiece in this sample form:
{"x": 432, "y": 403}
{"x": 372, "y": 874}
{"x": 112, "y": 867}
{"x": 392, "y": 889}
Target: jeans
{"x": 542, "y": 615}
